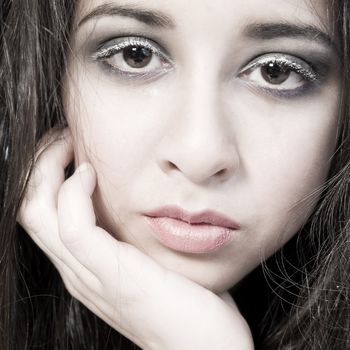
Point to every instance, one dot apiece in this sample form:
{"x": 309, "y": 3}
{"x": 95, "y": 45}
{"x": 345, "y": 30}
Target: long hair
{"x": 35, "y": 309}
{"x": 311, "y": 307}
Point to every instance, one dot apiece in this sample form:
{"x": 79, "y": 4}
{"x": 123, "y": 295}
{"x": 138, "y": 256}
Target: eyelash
{"x": 118, "y": 45}
{"x": 310, "y": 74}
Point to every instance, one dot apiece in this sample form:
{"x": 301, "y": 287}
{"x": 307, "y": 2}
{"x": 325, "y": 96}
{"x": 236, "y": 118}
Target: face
{"x": 222, "y": 115}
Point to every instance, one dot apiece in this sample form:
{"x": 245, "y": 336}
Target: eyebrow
{"x": 261, "y": 31}
{"x": 269, "y": 31}
{"x": 151, "y": 18}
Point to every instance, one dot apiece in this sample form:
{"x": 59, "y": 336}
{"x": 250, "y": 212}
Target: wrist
{"x": 213, "y": 325}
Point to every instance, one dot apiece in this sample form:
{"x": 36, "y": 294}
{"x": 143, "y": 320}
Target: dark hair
{"x": 308, "y": 304}
{"x": 35, "y": 308}
{"x": 317, "y": 282}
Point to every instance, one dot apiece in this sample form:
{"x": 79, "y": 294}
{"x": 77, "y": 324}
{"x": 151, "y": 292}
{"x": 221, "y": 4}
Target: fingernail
{"x": 82, "y": 167}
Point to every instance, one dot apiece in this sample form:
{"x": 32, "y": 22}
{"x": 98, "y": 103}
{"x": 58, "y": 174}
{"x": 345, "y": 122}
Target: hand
{"x": 152, "y": 306}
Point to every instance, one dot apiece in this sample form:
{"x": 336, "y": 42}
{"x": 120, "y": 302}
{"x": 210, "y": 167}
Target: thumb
{"x": 227, "y": 298}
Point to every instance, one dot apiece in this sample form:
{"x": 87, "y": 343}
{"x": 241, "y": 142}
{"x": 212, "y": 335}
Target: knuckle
{"x": 35, "y": 181}
{"x": 29, "y": 214}
{"x": 70, "y": 236}
{"x": 69, "y": 281}
{"x": 70, "y": 288}
{"x": 65, "y": 190}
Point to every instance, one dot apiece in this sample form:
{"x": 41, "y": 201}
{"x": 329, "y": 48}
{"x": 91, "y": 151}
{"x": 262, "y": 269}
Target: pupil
{"x": 137, "y": 56}
{"x": 275, "y": 74}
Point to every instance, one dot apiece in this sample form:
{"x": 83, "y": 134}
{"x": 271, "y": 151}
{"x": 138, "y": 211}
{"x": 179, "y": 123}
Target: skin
{"x": 203, "y": 131}
{"x": 104, "y": 274}
{"x": 206, "y": 129}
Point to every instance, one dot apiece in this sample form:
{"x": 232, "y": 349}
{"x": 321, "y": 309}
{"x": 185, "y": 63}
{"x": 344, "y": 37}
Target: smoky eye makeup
{"x": 284, "y": 75}
{"x": 133, "y": 57}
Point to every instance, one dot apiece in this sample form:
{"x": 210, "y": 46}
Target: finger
{"x": 38, "y": 212}
{"x": 95, "y": 248}
{"x": 77, "y": 221}
{"x": 54, "y": 154}
{"x": 227, "y": 298}
{"x": 45, "y": 178}
{"x": 75, "y": 208}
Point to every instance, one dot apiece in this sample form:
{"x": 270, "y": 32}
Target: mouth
{"x": 180, "y": 230}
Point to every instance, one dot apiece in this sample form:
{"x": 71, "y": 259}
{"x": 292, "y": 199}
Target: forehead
{"x": 228, "y": 12}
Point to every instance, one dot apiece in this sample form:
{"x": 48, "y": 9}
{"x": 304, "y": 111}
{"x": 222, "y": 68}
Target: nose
{"x": 199, "y": 143}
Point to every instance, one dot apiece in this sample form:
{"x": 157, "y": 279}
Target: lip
{"x": 201, "y": 232}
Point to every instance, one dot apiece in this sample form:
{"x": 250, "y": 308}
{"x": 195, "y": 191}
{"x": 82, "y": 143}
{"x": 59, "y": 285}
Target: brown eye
{"x": 137, "y": 56}
{"x": 275, "y": 74}
{"x": 134, "y": 58}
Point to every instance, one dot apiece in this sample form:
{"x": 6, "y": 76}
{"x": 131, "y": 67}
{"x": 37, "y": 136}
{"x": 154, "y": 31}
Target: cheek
{"x": 286, "y": 161}
{"x": 294, "y": 166}
{"x": 284, "y": 147}
{"x": 117, "y": 130}
{"x": 114, "y": 126}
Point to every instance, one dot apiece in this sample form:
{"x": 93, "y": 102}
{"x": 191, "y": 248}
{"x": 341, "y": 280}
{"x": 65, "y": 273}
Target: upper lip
{"x": 210, "y": 217}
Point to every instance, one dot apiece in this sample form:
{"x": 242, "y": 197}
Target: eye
{"x": 277, "y": 72}
{"x": 134, "y": 57}
{"x": 137, "y": 56}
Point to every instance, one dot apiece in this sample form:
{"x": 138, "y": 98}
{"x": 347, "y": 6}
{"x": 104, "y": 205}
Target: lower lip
{"x": 189, "y": 238}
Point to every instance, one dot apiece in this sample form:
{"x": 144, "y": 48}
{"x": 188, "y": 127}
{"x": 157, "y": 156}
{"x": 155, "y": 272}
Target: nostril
{"x": 221, "y": 172}
{"x": 171, "y": 166}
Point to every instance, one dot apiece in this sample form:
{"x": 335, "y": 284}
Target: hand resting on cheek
{"x": 151, "y": 305}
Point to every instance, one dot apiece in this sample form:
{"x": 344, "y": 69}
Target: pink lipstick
{"x": 201, "y": 232}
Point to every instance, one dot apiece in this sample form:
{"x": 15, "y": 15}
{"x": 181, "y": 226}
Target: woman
{"x": 204, "y": 151}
